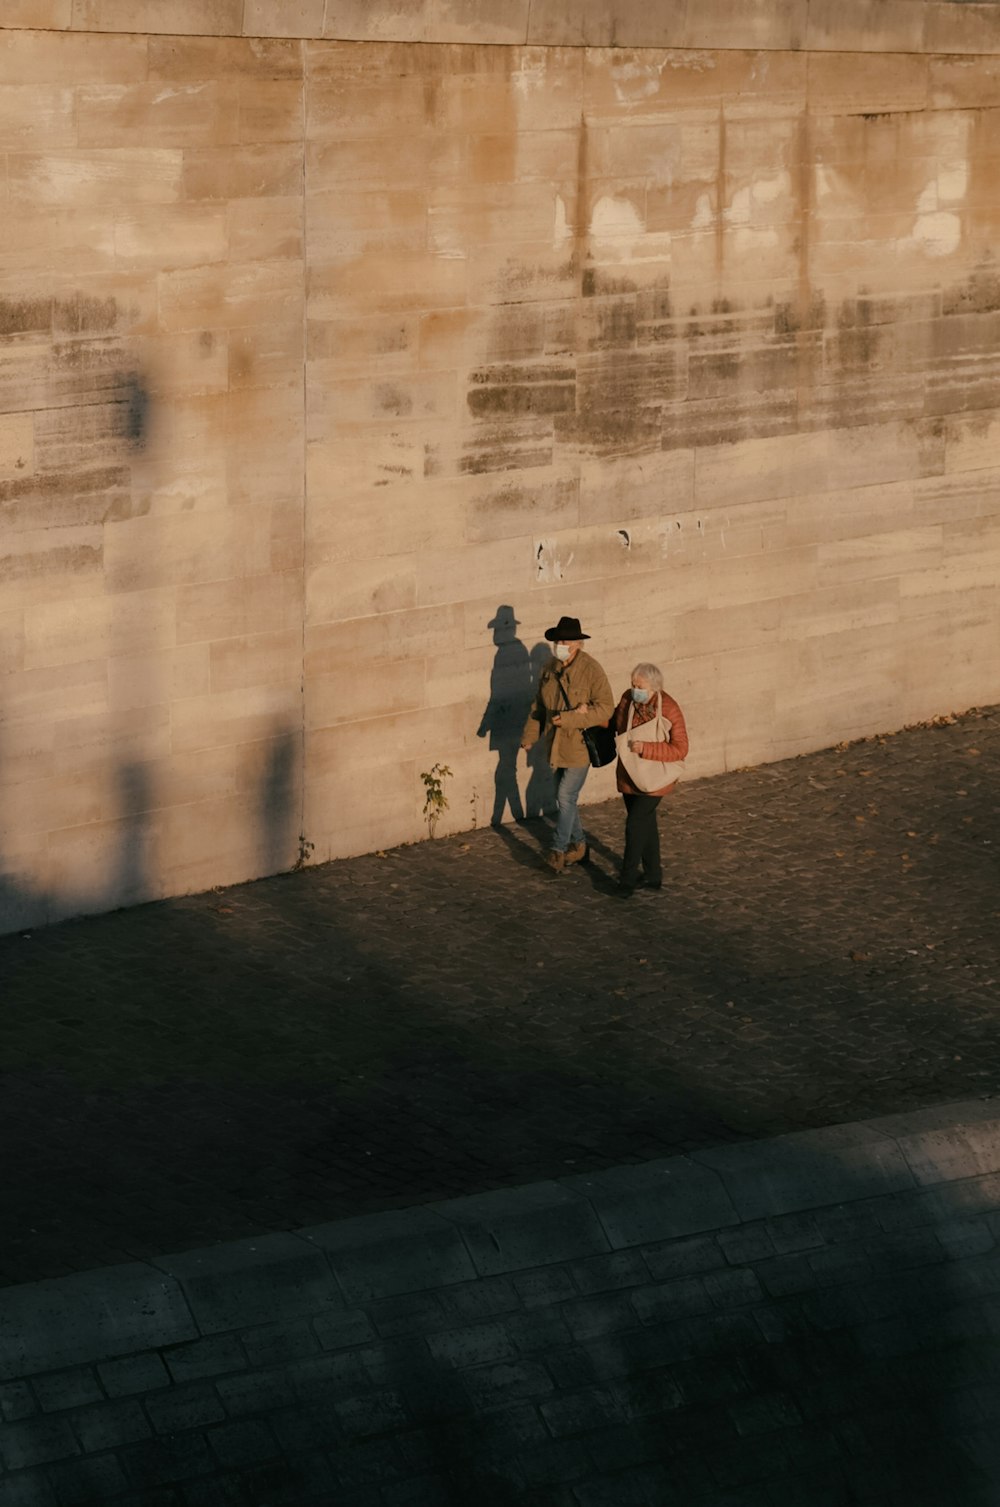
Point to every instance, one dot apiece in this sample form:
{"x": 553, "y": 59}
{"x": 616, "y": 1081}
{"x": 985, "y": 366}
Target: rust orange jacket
{"x": 668, "y": 753}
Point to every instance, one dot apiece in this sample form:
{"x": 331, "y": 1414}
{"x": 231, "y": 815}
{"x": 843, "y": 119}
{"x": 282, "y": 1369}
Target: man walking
{"x": 573, "y": 693}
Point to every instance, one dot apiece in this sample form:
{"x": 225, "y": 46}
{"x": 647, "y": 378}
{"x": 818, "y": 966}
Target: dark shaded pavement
{"x": 450, "y": 1017}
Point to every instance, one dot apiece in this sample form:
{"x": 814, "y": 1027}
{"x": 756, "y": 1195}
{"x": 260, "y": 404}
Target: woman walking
{"x": 644, "y": 759}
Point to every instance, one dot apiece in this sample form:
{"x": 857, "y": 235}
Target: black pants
{"x": 642, "y": 840}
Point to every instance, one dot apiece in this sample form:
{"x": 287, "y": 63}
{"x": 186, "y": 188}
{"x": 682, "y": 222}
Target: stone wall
{"x": 810, "y": 1321}
{"x": 941, "y": 26}
{"x": 333, "y": 371}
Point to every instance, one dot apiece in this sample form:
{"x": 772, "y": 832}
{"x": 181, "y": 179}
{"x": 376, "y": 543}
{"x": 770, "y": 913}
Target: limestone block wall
{"x": 697, "y": 346}
{"x": 344, "y": 348}
{"x": 151, "y": 479}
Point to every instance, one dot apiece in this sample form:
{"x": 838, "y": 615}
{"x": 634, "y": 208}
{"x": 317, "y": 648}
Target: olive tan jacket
{"x": 586, "y": 686}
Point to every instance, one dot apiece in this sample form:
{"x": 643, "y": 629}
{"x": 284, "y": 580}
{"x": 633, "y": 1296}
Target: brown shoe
{"x": 556, "y": 861}
{"x": 577, "y": 852}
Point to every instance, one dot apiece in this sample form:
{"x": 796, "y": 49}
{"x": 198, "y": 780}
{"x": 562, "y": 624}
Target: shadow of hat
{"x": 504, "y": 618}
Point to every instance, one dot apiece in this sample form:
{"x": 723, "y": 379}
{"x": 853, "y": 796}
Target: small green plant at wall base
{"x": 435, "y": 800}
{"x": 305, "y": 852}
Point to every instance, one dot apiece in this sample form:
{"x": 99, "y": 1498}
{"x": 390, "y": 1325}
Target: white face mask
{"x": 562, "y": 652}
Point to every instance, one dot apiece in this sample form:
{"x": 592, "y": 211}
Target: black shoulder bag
{"x": 600, "y": 740}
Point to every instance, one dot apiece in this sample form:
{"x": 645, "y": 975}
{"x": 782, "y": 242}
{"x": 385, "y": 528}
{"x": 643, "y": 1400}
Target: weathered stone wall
{"x": 151, "y": 274}
{"x": 810, "y": 1320}
{"x": 318, "y": 352}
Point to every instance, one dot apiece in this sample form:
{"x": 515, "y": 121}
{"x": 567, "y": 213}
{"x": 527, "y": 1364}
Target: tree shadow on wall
{"x": 277, "y": 801}
{"x": 131, "y": 884}
{"x": 130, "y": 873}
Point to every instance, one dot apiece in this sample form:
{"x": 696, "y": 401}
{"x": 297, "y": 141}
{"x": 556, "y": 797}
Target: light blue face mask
{"x": 639, "y": 695}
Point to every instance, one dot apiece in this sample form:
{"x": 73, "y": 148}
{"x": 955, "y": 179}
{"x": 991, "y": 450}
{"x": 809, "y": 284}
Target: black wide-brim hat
{"x": 565, "y": 631}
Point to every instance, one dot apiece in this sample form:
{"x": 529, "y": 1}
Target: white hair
{"x": 651, "y": 674}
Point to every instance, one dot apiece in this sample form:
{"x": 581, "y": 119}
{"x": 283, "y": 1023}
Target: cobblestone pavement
{"x": 451, "y": 1017}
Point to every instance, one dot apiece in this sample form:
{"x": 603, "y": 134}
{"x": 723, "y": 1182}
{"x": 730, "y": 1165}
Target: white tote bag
{"x": 648, "y": 774}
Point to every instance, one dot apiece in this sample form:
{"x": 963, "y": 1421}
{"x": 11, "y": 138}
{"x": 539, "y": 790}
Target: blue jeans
{"x": 569, "y": 783}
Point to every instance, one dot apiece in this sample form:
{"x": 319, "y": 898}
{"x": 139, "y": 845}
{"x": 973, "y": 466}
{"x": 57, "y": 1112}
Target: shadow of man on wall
{"x": 511, "y": 690}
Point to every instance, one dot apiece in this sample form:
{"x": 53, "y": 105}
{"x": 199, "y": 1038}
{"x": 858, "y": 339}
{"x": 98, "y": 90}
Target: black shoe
{"x": 625, "y": 891}
{"x": 652, "y": 884}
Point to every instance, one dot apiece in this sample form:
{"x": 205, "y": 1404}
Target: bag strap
{"x": 566, "y": 701}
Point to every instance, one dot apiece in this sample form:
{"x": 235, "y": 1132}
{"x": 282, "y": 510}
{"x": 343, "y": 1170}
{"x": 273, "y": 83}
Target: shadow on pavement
{"x": 442, "y": 1020}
